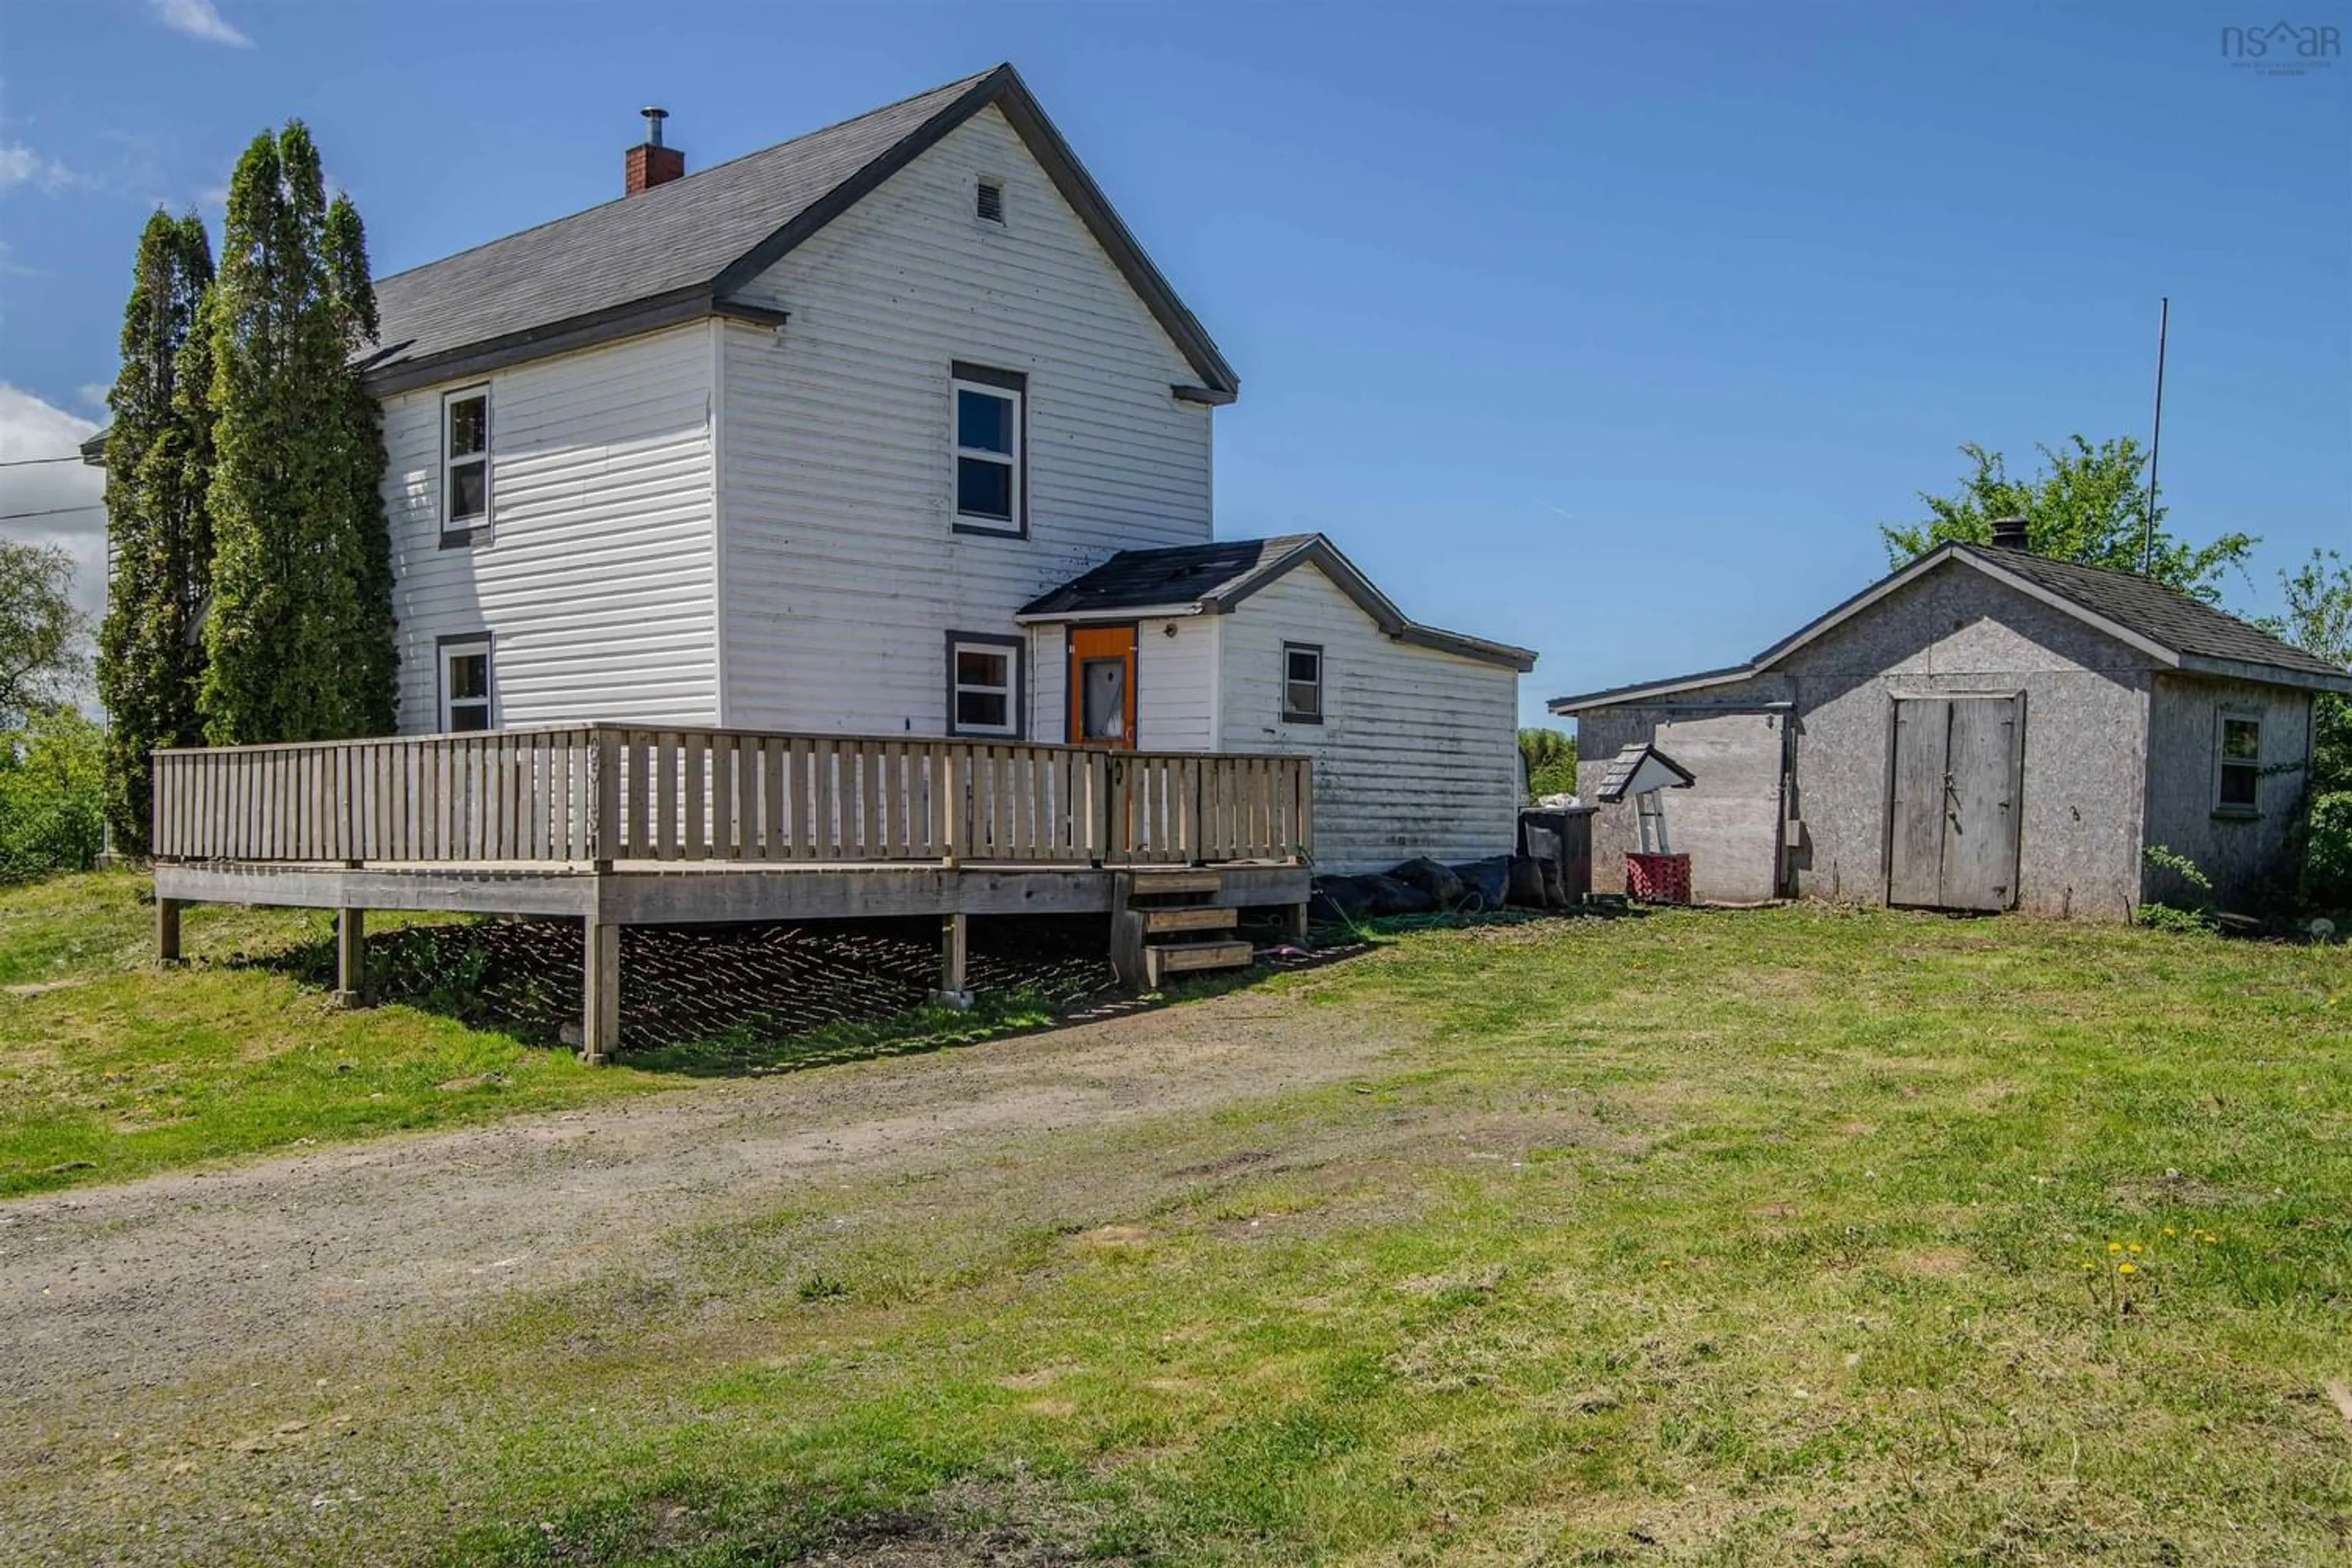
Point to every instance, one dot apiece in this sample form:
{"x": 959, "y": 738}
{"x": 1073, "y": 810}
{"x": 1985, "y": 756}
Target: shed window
{"x": 2238, "y": 786}
{"x": 465, "y": 463}
{"x": 983, "y": 685}
{"x": 466, "y": 685}
{"x": 989, "y": 460}
{"x": 1302, "y": 683}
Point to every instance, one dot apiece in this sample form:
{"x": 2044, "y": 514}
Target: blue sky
{"x": 1608, "y": 330}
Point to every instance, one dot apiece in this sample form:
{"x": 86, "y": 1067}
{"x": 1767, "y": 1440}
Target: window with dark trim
{"x": 1302, "y": 683}
{"x": 990, "y": 438}
{"x": 464, "y": 464}
{"x": 2238, "y": 778}
{"x": 988, "y": 201}
{"x": 983, "y": 684}
{"x": 466, "y": 700}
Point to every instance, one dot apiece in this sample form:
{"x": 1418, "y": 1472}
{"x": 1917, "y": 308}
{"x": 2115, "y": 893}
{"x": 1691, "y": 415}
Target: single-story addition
{"x": 1986, "y": 729}
{"x": 1282, "y": 645}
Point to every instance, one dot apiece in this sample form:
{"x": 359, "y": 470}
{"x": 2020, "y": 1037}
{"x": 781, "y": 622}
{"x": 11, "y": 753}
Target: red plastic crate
{"x": 1658, "y": 878}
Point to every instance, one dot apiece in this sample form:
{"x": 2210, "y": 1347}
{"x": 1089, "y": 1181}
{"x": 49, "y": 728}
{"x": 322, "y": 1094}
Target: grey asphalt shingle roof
{"x": 1214, "y": 578}
{"x": 2160, "y": 614}
{"x": 673, "y": 236}
{"x": 1181, "y": 575}
{"x": 2190, "y": 628}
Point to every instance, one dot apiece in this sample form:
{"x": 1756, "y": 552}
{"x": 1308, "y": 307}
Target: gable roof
{"x": 2163, "y": 622}
{"x": 1639, "y": 768}
{"x": 681, "y": 250}
{"x": 2165, "y": 615}
{"x": 1214, "y": 579}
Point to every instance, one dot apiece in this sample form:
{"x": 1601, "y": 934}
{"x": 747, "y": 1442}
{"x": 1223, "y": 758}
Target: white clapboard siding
{"x": 1418, "y": 752}
{"x": 596, "y": 576}
{"x": 844, "y": 573}
{"x": 1175, "y": 684}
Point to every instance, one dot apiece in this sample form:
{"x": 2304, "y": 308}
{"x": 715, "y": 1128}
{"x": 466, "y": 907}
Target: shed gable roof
{"x": 682, "y": 249}
{"x": 2167, "y": 624}
{"x": 1214, "y": 579}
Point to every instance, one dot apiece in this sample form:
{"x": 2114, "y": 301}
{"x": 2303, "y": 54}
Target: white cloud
{"x": 30, "y": 428}
{"x": 198, "y": 20}
{"x": 93, "y": 393}
{"x": 20, "y": 165}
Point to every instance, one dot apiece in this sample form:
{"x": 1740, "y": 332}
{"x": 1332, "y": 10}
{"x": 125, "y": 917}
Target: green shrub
{"x": 2328, "y": 853}
{"x": 1550, "y": 758}
{"x": 52, "y": 795}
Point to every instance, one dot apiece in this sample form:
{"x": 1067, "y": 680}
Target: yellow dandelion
{"x": 2169, "y": 1231}
{"x": 2089, "y": 1267}
{"x": 2114, "y": 1247}
{"x": 2133, "y": 1248}
{"x": 2123, "y": 1269}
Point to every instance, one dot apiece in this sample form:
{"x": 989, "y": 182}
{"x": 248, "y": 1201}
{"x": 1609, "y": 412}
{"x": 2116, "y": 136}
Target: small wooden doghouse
{"x": 1642, "y": 773}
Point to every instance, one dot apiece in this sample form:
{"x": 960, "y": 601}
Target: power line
{"x": 52, "y": 511}
{"x": 28, "y": 462}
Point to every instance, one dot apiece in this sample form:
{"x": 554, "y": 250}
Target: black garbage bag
{"x": 1486, "y": 881}
{"x": 1390, "y": 897}
{"x": 1526, "y": 878}
{"x": 1438, "y": 881}
{"x": 1348, "y": 895}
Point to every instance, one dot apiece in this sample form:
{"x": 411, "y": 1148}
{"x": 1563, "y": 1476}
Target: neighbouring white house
{"x": 889, "y": 429}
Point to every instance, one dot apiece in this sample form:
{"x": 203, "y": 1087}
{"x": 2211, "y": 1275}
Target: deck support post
{"x": 350, "y": 957}
{"x": 600, "y": 1010}
{"x": 1126, "y": 933}
{"x": 955, "y": 952}
{"x": 167, "y": 930}
{"x": 1298, "y": 924}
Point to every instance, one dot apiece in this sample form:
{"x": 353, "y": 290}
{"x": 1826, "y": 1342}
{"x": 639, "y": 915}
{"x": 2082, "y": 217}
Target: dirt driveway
{"x": 341, "y": 1250}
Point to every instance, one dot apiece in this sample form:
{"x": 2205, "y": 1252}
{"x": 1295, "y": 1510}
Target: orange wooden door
{"x": 1102, "y": 686}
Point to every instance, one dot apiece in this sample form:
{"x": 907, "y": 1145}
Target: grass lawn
{"x": 1774, "y": 1238}
{"x": 113, "y": 1067}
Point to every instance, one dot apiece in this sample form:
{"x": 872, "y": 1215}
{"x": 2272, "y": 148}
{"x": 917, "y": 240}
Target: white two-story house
{"x": 891, "y": 429}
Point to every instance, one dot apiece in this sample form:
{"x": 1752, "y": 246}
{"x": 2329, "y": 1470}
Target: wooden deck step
{"x": 1184, "y": 880}
{"x": 1186, "y": 958}
{"x": 1204, "y": 917}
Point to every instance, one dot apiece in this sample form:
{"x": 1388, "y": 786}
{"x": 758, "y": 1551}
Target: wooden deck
{"x": 620, "y": 825}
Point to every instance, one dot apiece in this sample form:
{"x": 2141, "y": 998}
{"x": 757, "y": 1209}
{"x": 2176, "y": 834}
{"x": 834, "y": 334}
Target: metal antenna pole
{"x": 2154, "y": 441}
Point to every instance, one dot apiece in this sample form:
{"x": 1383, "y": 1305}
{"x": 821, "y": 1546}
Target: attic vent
{"x": 989, "y": 204}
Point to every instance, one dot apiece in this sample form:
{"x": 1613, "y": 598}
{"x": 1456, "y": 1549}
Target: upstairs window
{"x": 983, "y": 685}
{"x": 464, "y": 464}
{"x": 2237, "y": 788}
{"x": 465, "y": 684}
{"x": 1302, "y": 683}
{"x": 991, "y": 468}
{"x": 988, "y": 201}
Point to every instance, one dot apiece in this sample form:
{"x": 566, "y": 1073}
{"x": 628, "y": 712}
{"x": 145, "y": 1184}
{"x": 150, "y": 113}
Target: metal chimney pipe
{"x": 2008, "y": 532}
{"x": 653, "y": 117}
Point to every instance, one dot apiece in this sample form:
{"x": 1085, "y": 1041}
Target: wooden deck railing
{"x": 604, "y": 792}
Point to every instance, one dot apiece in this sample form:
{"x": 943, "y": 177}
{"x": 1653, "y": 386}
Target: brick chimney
{"x": 649, "y": 163}
{"x": 2008, "y": 532}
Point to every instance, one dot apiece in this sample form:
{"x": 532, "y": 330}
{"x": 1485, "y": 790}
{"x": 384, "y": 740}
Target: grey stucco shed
{"x": 1985, "y": 729}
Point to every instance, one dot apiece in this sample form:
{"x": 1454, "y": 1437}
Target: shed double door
{"x": 1955, "y": 801}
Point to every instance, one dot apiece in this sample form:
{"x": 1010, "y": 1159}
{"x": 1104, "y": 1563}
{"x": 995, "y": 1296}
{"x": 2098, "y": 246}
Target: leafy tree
{"x": 2087, "y": 503}
{"x": 1550, "y": 757}
{"x": 40, "y": 629}
{"x": 158, "y": 467}
{"x": 52, "y": 795}
{"x": 298, "y": 640}
{"x": 2319, "y": 620}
